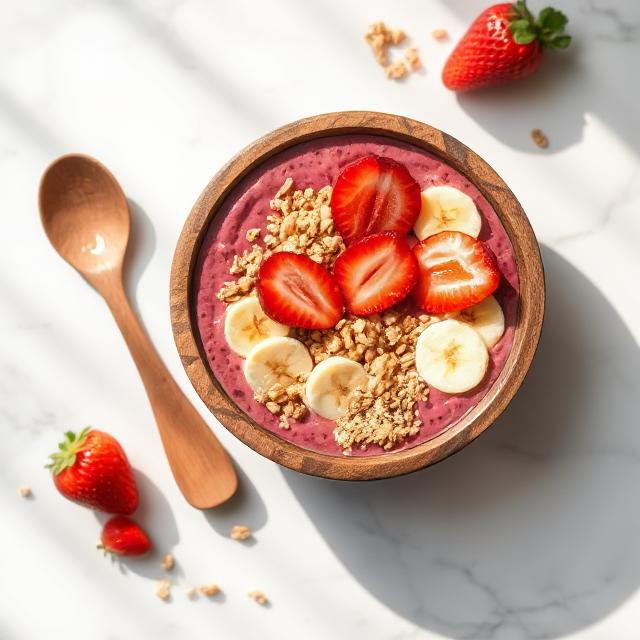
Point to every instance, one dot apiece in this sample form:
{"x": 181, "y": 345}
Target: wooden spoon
{"x": 86, "y": 218}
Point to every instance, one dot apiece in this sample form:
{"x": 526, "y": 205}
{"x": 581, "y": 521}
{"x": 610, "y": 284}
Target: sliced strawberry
{"x": 296, "y": 291}
{"x": 375, "y": 273}
{"x": 455, "y": 272}
{"x": 374, "y": 194}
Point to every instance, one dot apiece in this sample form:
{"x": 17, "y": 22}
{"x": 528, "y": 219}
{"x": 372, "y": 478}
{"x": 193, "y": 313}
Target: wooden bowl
{"x": 470, "y": 426}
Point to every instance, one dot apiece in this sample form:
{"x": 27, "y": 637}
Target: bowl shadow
{"x": 527, "y": 532}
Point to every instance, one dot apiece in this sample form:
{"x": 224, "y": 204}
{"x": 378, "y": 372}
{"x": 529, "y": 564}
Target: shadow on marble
{"x": 245, "y": 507}
{"x": 532, "y": 530}
{"x": 155, "y": 516}
{"x": 140, "y": 250}
{"x": 222, "y": 86}
{"x": 583, "y": 79}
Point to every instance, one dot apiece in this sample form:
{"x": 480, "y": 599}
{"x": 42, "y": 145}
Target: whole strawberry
{"x": 123, "y": 537}
{"x": 504, "y": 43}
{"x": 92, "y": 469}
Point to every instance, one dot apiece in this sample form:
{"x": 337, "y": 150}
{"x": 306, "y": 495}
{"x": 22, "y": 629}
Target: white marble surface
{"x": 531, "y": 532}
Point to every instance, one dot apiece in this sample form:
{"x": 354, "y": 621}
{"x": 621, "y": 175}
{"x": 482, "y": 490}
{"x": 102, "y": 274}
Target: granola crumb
{"x": 240, "y": 532}
{"x": 209, "y": 590}
{"x": 192, "y": 593}
{"x": 396, "y": 71}
{"x": 253, "y": 234}
{"x": 440, "y": 34}
{"x": 397, "y": 36}
{"x": 164, "y": 589}
{"x": 259, "y": 597}
{"x": 25, "y": 492}
{"x": 380, "y": 37}
{"x": 168, "y": 562}
{"x": 413, "y": 58}
{"x": 540, "y": 139}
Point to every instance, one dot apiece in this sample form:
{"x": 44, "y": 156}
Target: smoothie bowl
{"x": 357, "y": 295}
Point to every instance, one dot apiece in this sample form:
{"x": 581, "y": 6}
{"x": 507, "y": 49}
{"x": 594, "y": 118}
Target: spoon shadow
{"x": 246, "y": 507}
{"x": 140, "y": 250}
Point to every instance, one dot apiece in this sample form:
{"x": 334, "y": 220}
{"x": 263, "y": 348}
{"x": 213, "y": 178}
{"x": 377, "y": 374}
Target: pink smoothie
{"x": 316, "y": 164}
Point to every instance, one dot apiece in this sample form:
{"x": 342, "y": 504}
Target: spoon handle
{"x": 200, "y": 465}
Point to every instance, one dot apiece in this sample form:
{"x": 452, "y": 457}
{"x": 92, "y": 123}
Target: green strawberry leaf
{"x": 552, "y": 20}
{"x": 518, "y": 25}
{"x": 560, "y": 42}
{"x": 522, "y": 11}
{"x": 525, "y": 36}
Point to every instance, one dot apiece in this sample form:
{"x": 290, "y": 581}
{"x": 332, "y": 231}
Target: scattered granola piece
{"x": 397, "y": 36}
{"x": 209, "y": 590}
{"x": 541, "y": 140}
{"x": 168, "y": 562}
{"x": 25, "y": 492}
{"x": 259, "y": 597}
{"x": 440, "y": 34}
{"x": 164, "y": 589}
{"x": 413, "y": 58}
{"x": 253, "y": 234}
{"x": 396, "y": 70}
{"x": 378, "y": 37}
{"x": 240, "y": 532}
{"x": 192, "y": 593}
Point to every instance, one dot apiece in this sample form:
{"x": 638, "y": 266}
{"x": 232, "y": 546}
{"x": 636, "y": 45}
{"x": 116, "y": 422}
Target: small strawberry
{"x": 504, "y": 43}
{"x": 92, "y": 469}
{"x": 375, "y": 273}
{"x": 123, "y": 537}
{"x": 298, "y": 292}
{"x": 374, "y": 194}
{"x": 455, "y": 272}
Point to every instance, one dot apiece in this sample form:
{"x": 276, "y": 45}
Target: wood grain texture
{"x": 528, "y": 326}
{"x": 86, "y": 217}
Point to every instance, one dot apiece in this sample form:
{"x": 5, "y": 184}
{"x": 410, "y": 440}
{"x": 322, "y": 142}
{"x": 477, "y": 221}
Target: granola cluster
{"x": 383, "y": 413}
{"x": 380, "y": 37}
{"x": 285, "y": 401}
{"x": 301, "y": 223}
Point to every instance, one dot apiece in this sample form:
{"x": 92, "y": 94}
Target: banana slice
{"x": 331, "y": 384}
{"x": 486, "y": 318}
{"x": 245, "y": 324}
{"x": 451, "y": 356}
{"x": 445, "y": 208}
{"x": 276, "y": 359}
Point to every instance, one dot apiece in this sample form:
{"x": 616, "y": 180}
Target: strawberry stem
{"x": 548, "y": 28}
{"x": 68, "y": 448}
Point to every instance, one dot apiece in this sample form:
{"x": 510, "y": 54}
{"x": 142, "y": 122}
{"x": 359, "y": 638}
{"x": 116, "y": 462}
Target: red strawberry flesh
{"x": 92, "y": 469}
{"x": 298, "y": 292}
{"x": 374, "y": 194}
{"x": 455, "y": 272}
{"x": 375, "y": 273}
{"x": 123, "y": 537}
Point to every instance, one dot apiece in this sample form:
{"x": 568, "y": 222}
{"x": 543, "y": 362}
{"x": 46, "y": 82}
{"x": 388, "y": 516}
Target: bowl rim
{"x": 471, "y": 425}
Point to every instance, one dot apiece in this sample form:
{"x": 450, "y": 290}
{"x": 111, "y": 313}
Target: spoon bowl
{"x": 85, "y": 215}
